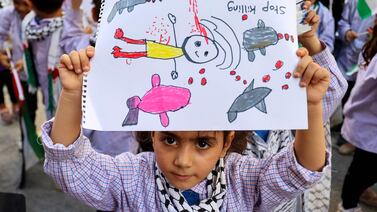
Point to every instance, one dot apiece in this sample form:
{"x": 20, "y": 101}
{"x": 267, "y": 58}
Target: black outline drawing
{"x": 251, "y": 97}
{"x": 258, "y": 39}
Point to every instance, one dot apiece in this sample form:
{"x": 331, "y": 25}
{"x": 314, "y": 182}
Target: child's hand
{"x": 72, "y": 67}
{"x": 351, "y": 35}
{"x": 315, "y": 78}
{"x": 19, "y": 65}
{"x": 313, "y": 20}
{"x": 4, "y": 60}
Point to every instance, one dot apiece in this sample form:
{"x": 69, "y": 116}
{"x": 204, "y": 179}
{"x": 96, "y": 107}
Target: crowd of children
{"x": 281, "y": 170}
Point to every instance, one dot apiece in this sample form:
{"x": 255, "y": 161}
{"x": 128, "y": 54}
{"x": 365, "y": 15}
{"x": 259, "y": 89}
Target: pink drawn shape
{"x": 161, "y": 99}
{"x": 164, "y": 119}
{"x": 155, "y": 80}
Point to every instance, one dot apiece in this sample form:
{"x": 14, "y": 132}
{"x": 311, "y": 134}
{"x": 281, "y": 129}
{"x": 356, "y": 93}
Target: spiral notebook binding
{"x": 83, "y": 99}
{"x": 85, "y": 78}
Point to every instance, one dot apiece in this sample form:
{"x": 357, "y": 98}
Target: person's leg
{"x": 360, "y": 176}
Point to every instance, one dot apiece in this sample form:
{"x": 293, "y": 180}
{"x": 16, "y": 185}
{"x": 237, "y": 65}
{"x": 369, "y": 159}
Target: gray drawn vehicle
{"x": 120, "y": 5}
{"x": 258, "y": 39}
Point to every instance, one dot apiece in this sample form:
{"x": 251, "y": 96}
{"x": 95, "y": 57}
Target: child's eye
{"x": 198, "y": 43}
{"x": 170, "y": 141}
{"x": 203, "y": 143}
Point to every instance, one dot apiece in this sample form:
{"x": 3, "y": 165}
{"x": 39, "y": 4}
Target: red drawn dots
{"x": 266, "y": 78}
{"x": 288, "y": 75}
{"x": 285, "y": 87}
{"x": 292, "y": 39}
{"x": 286, "y": 35}
{"x": 203, "y": 81}
{"x": 238, "y": 78}
{"x": 244, "y": 17}
{"x": 190, "y": 81}
{"x": 232, "y": 73}
{"x": 280, "y": 36}
{"x": 245, "y": 82}
{"x": 278, "y": 65}
{"x": 202, "y": 71}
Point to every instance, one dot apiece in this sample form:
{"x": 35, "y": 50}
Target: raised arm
{"x": 310, "y": 145}
{"x": 322, "y": 55}
{"x": 67, "y": 124}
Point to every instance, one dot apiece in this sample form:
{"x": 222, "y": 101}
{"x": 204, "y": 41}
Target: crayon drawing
{"x": 214, "y": 65}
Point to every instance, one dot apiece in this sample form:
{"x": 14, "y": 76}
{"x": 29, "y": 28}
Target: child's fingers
{"x": 75, "y": 59}
{"x": 307, "y": 4}
{"x": 90, "y": 51}
{"x": 84, "y": 59}
{"x": 66, "y": 62}
{"x": 303, "y": 63}
{"x": 311, "y": 17}
{"x": 307, "y": 76}
{"x": 321, "y": 75}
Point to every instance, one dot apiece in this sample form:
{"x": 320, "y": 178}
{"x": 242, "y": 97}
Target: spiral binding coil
{"x": 85, "y": 79}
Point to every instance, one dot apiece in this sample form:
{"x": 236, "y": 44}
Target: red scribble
{"x": 244, "y": 17}
{"x": 266, "y": 78}
{"x": 203, "y": 81}
{"x": 280, "y": 36}
{"x": 278, "y": 65}
{"x": 286, "y": 36}
{"x": 199, "y": 27}
{"x": 292, "y": 38}
{"x": 245, "y": 82}
{"x": 285, "y": 87}
{"x": 288, "y": 75}
{"x": 232, "y": 72}
{"x": 238, "y": 78}
{"x": 202, "y": 71}
{"x": 190, "y": 80}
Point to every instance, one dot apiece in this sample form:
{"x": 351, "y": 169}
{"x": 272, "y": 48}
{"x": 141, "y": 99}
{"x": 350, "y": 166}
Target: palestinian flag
{"x": 366, "y": 8}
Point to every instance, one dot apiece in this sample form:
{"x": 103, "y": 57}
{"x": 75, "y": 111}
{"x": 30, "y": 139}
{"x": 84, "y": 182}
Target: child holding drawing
{"x": 182, "y": 162}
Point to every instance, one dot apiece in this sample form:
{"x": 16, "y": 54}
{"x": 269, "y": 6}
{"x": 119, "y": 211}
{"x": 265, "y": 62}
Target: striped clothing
{"x": 127, "y": 182}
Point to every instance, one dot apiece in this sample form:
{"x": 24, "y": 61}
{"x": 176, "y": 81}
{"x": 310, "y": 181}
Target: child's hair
{"x": 96, "y": 9}
{"x": 49, "y": 6}
{"x": 239, "y": 143}
{"x": 370, "y": 47}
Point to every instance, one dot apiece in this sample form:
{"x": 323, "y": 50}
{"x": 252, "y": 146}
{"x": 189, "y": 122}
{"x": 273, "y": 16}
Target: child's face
{"x": 186, "y": 158}
{"x": 200, "y": 49}
{"x": 22, "y": 7}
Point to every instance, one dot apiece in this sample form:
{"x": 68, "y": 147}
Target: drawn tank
{"x": 258, "y": 39}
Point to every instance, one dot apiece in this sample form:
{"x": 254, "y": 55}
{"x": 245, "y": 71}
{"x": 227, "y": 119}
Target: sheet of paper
{"x": 195, "y": 65}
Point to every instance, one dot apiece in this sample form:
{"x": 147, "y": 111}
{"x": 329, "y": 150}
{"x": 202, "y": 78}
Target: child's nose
{"x": 184, "y": 157}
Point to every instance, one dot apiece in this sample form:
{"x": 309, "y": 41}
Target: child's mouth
{"x": 182, "y": 177}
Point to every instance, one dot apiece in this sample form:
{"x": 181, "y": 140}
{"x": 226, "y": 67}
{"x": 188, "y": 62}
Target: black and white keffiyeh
{"x": 172, "y": 199}
{"x": 40, "y": 33}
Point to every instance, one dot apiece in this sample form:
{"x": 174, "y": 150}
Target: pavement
{"x": 42, "y": 194}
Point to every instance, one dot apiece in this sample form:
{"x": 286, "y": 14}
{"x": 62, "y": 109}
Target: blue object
{"x": 263, "y": 134}
{"x": 191, "y": 197}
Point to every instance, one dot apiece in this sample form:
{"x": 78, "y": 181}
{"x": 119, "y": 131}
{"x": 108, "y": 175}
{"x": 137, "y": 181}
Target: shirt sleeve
{"x": 101, "y": 181}
{"x": 6, "y": 17}
{"x": 338, "y": 84}
{"x": 326, "y": 29}
{"x": 276, "y": 179}
{"x": 73, "y": 37}
{"x": 344, "y": 23}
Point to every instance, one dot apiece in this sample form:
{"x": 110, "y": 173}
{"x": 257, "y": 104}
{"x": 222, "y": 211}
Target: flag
{"x": 366, "y": 8}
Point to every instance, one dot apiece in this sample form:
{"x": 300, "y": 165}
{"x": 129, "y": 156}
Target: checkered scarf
{"x": 172, "y": 199}
{"x": 40, "y": 33}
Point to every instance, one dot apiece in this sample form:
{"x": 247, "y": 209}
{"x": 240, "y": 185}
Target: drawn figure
{"x": 198, "y": 49}
{"x": 158, "y": 100}
{"x": 120, "y": 5}
{"x": 258, "y": 39}
{"x": 251, "y": 97}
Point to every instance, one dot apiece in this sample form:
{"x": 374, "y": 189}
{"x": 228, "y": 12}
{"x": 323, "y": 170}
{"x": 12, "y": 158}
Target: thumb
{"x": 90, "y": 51}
